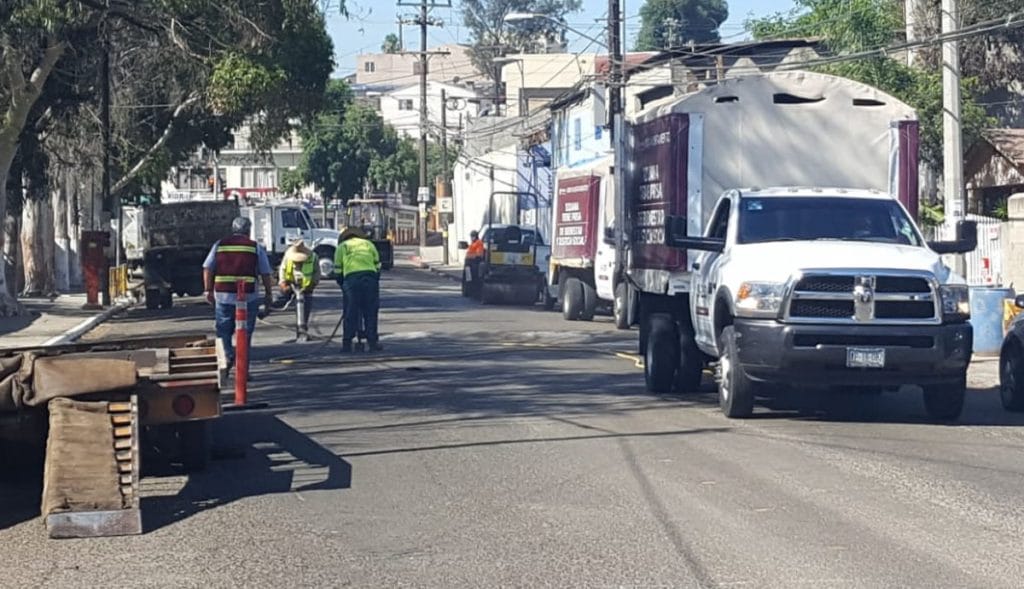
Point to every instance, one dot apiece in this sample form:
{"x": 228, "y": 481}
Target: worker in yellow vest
{"x": 357, "y": 266}
{"x": 299, "y": 273}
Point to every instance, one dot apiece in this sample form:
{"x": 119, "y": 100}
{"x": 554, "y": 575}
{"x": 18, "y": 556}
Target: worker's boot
{"x": 346, "y": 347}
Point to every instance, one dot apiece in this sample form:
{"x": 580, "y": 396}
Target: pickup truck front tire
{"x": 945, "y": 402}
{"x": 735, "y": 389}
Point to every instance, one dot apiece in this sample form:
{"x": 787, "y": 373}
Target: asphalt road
{"x": 492, "y": 446}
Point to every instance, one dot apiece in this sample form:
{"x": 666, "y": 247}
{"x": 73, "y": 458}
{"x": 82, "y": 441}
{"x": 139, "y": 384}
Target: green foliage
{"x": 239, "y": 84}
{"x": 391, "y": 44}
{"x": 673, "y": 23}
{"x": 491, "y": 36}
{"x": 850, "y": 26}
{"x": 931, "y": 215}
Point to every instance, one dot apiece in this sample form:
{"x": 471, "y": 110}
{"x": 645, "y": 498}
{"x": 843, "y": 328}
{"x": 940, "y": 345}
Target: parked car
{"x": 1011, "y": 363}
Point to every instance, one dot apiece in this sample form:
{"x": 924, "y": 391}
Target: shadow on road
{"x": 259, "y": 454}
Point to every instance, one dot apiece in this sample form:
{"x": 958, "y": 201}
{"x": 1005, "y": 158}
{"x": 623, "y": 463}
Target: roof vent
{"x": 787, "y": 98}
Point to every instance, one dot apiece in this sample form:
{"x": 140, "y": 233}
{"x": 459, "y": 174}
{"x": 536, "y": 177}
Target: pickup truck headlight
{"x": 956, "y": 301}
{"x": 759, "y": 299}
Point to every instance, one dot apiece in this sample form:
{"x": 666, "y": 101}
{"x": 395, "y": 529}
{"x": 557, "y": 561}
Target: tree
{"x": 213, "y": 64}
{"x": 391, "y": 44}
{"x": 491, "y": 36}
{"x": 849, "y": 26}
{"x": 665, "y": 24}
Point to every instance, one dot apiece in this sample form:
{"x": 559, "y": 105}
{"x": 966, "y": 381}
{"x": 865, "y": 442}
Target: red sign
{"x": 658, "y": 189}
{"x": 576, "y": 210}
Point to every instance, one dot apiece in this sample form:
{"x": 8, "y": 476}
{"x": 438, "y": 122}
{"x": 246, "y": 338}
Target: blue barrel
{"x": 987, "y": 318}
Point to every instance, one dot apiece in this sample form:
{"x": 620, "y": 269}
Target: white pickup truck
{"x": 827, "y": 286}
{"x": 830, "y": 287}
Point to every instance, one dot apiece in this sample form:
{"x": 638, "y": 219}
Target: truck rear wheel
{"x": 662, "y": 356}
{"x": 152, "y": 299}
{"x": 589, "y": 302}
{"x": 945, "y": 402}
{"x": 620, "y": 307}
{"x": 572, "y": 299}
{"x": 166, "y": 299}
{"x": 735, "y": 390}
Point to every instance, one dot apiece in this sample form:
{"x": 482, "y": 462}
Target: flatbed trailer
{"x": 95, "y": 409}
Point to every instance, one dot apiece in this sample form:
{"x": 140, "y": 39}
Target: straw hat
{"x": 298, "y": 252}
{"x": 351, "y": 232}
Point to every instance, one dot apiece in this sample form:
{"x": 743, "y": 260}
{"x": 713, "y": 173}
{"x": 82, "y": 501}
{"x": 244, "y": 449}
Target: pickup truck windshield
{"x": 824, "y": 218}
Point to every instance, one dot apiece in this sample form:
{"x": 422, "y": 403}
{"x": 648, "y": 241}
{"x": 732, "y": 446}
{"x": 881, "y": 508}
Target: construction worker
{"x": 234, "y": 258}
{"x": 475, "y": 254}
{"x": 357, "y": 265}
{"x": 298, "y": 260}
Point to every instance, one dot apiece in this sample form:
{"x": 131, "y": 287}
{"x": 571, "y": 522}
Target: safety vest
{"x": 235, "y": 260}
{"x": 356, "y": 254}
{"x": 308, "y": 269}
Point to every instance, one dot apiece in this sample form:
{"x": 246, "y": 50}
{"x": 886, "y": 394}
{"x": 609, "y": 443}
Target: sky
{"x": 371, "y": 20}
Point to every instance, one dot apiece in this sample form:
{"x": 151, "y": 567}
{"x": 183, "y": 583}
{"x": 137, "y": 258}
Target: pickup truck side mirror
{"x": 463, "y": 245}
{"x": 675, "y": 236}
{"x": 966, "y": 240}
{"x": 609, "y": 235}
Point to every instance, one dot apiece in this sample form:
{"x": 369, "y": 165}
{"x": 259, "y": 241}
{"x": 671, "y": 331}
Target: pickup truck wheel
{"x": 572, "y": 299}
{"x": 735, "y": 390}
{"x": 589, "y": 302}
{"x": 620, "y": 307}
{"x": 945, "y": 402}
{"x": 662, "y": 357}
{"x": 691, "y": 365}
{"x": 1011, "y": 379}
{"x": 325, "y": 253}
{"x": 152, "y": 299}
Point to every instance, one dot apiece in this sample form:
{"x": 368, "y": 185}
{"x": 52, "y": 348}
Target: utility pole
{"x": 445, "y": 181}
{"x": 616, "y": 134}
{"x": 423, "y": 194}
{"x": 910, "y": 18}
{"x": 952, "y": 151}
{"x": 671, "y": 24}
{"x": 108, "y": 202}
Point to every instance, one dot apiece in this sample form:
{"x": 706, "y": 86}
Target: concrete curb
{"x": 419, "y": 263}
{"x": 72, "y": 335}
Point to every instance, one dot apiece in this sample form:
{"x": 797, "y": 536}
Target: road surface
{"x": 492, "y": 446}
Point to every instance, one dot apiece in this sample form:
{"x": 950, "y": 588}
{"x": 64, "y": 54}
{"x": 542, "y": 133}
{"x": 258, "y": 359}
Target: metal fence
{"x": 985, "y": 263}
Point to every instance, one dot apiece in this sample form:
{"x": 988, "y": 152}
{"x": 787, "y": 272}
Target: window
{"x": 825, "y": 218}
{"x": 259, "y": 178}
{"x": 719, "y": 227}
{"x": 369, "y": 67}
{"x": 577, "y": 134}
{"x": 293, "y": 219}
{"x": 405, "y": 104}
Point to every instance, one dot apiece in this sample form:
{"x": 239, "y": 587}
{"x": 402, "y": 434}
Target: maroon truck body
{"x": 575, "y": 222}
{"x": 657, "y": 189}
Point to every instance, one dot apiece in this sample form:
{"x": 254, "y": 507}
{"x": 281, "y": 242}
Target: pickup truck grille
{"x": 864, "y": 297}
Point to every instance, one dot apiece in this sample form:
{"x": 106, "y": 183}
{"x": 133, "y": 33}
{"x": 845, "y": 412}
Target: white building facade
{"x": 401, "y": 108}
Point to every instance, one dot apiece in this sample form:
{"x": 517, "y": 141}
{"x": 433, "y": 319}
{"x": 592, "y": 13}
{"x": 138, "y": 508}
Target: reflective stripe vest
{"x": 309, "y": 267}
{"x": 235, "y": 260}
{"x": 356, "y": 254}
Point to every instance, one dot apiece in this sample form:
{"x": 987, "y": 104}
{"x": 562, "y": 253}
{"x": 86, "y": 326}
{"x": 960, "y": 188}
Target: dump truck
{"x": 168, "y": 242}
{"x": 91, "y": 412}
{"x": 770, "y": 231}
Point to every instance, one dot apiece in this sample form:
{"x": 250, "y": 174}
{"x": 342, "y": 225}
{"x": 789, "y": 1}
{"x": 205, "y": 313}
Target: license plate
{"x": 865, "y": 357}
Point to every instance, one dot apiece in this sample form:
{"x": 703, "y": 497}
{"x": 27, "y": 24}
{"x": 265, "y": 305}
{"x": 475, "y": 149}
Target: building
{"x": 400, "y": 108}
{"x": 531, "y": 80}
{"x": 398, "y": 70}
{"x": 994, "y": 171}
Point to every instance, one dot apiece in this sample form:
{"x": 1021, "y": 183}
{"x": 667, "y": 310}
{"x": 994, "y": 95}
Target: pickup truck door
{"x": 289, "y": 222}
{"x": 705, "y": 276}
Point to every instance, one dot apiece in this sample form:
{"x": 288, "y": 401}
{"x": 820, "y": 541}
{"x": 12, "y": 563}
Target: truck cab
{"x": 808, "y": 286}
{"x": 276, "y": 226}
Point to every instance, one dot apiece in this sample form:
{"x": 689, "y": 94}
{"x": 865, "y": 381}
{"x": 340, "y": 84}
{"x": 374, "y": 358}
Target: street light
{"x": 522, "y": 79}
{"x": 514, "y": 17}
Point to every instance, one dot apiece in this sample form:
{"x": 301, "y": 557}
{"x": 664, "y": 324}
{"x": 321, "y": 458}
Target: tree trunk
{"x": 37, "y": 242}
{"x": 9, "y": 258}
{"x": 61, "y": 242}
{"x": 73, "y": 223}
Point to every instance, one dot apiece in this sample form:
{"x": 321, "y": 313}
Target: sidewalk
{"x": 429, "y": 258}
{"x": 50, "y": 322}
